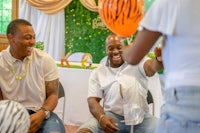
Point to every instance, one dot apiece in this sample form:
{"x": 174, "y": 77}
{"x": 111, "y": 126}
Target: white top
{"x": 30, "y": 91}
{"x": 179, "y": 20}
{"x": 104, "y": 82}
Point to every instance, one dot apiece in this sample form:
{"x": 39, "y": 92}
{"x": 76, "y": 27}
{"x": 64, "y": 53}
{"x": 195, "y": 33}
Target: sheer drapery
{"x": 48, "y": 20}
{"x": 49, "y": 29}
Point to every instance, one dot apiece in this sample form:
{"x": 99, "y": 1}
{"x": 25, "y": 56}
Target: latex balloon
{"x": 121, "y": 16}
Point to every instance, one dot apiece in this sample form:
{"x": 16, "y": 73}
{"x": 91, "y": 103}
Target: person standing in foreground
{"x": 109, "y": 82}
{"x": 178, "y": 21}
{"x": 29, "y": 76}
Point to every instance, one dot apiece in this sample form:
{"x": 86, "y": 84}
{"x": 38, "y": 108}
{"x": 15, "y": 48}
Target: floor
{"x": 71, "y": 129}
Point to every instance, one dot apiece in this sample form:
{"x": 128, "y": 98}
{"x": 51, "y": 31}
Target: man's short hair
{"x": 13, "y": 26}
{"x": 114, "y": 37}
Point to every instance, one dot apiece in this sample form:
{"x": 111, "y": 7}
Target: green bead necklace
{"x": 24, "y": 72}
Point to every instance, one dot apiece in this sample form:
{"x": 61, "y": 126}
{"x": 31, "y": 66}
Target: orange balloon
{"x": 121, "y": 16}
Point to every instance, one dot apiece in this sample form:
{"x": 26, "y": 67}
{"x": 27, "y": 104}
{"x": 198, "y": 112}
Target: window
{"x": 8, "y": 11}
{"x": 5, "y": 14}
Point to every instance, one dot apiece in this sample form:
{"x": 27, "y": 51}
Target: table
{"x": 75, "y": 83}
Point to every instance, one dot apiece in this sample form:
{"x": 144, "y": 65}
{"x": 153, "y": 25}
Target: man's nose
{"x": 115, "y": 50}
{"x": 32, "y": 41}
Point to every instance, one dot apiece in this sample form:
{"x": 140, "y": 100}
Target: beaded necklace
{"x": 20, "y": 76}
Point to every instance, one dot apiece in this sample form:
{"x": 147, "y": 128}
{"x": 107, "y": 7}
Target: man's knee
{"x": 84, "y": 130}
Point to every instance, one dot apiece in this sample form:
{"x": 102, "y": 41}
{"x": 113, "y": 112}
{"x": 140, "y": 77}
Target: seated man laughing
{"x": 117, "y": 83}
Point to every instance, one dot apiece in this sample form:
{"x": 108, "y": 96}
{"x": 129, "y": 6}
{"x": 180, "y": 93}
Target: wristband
{"x": 101, "y": 117}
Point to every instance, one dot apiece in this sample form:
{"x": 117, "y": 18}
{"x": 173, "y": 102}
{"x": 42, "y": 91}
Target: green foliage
{"x": 80, "y": 34}
{"x": 39, "y": 45}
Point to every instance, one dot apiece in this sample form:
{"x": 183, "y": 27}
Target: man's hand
{"x": 108, "y": 124}
{"x": 36, "y": 120}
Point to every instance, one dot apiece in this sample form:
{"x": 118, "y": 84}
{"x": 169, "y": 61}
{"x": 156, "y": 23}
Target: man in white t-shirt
{"x": 178, "y": 22}
{"x": 29, "y": 76}
{"x": 123, "y": 90}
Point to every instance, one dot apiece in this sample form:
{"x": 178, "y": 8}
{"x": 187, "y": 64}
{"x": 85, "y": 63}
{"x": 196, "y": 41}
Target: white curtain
{"x": 49, "y": 28}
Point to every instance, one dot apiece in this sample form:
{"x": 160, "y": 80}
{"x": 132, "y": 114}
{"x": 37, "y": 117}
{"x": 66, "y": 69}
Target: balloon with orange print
{"x": 121, "y": 16}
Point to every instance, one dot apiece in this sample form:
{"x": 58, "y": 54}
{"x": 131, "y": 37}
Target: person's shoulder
{"x": 100, "y": 69}
{"x": 40, "y": 53}
{"x": 4, "y": 53}
{"x": 164, "y": 4}
{"x": 41, "y": 56}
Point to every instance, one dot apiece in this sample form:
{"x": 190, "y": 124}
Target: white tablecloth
{"x": 75, "y": 83}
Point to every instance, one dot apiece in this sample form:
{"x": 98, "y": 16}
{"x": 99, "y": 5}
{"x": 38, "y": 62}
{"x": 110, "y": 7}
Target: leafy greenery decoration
{"x": 80, "y": 34}
{"x": 39, "y": 45}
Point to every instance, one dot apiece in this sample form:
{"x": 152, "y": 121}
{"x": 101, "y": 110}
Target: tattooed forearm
{"x": 51, "y": 94}
{"x": 52, "y": 87}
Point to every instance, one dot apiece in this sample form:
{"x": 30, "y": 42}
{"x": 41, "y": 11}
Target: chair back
{"x": 61, "y": 92}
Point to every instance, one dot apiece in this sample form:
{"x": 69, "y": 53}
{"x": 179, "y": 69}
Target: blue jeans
{"x": 147, "y": 126}
{"x": 181, "y": 111}
{"x": 52, "y": 125}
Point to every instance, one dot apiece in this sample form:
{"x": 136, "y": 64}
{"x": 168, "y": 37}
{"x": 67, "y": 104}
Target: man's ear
{"x": 10, "y": 38}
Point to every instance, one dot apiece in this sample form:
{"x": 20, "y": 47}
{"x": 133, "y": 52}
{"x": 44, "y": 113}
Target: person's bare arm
{"x": 52, "y": 88}
{"x": 107, "y": 123}
{"x": 95, "y": 108}
{"x": 49, "y": 104}
{"x": 145, "y": 39}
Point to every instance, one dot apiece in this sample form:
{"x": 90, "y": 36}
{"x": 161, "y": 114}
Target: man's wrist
{"x": 100, "y": 118}
{"x": 47, "y": 112}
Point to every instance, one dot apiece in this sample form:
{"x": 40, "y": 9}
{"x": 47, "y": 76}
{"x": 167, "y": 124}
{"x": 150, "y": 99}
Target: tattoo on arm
{"x": 51, "y": 87}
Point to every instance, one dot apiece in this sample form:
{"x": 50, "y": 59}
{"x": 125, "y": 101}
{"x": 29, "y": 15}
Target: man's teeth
{"x": 29, "y": 48}
{"x": 116, "y": 57}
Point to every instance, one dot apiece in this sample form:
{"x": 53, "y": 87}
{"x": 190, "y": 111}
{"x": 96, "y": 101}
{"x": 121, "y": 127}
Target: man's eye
{"x": 110, "y": 49}
{"x": 28, "y": 38}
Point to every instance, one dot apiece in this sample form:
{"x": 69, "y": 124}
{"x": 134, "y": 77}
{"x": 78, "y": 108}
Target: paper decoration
{"x": 86, "y": 61}
{"x": 65, "y": 60}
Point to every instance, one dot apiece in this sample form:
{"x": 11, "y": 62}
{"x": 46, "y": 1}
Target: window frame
{"x": 3, "y": 38}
